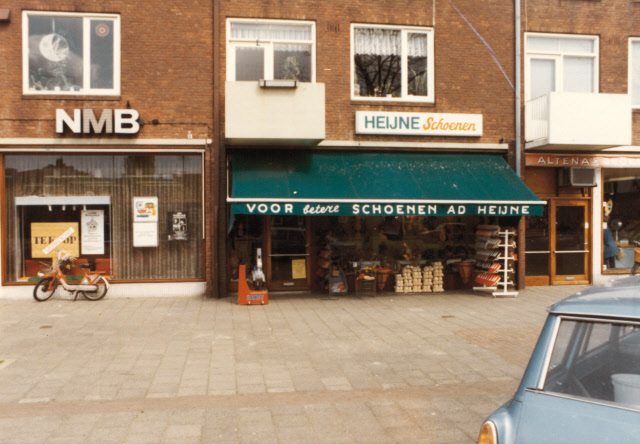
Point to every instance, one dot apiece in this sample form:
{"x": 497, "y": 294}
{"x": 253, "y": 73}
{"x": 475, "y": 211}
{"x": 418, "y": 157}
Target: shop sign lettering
{"x": 418, "y": 124}
{"x": 372, "y": 209}
{"x": 118, "y": 121}
{"x": 550, "y": 160}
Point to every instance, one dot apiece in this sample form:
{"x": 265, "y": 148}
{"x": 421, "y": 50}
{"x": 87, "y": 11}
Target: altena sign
{"x": 418, "y": 124}
{"x": 118, "y": 121}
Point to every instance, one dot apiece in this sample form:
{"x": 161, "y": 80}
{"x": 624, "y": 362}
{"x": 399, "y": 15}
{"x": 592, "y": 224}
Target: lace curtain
{"x": 271, "y": 31}
{"x": 384, "y": 42}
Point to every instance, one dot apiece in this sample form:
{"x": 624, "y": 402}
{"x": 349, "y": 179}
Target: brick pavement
{"x": 383, "y": 369}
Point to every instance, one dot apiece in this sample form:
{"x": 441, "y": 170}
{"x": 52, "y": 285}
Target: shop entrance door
{"x": 569, "y": 242}
{"x": 287, "y": 255}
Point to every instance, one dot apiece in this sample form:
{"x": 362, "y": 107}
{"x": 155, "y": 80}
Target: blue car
{"x": 582, "y": 384}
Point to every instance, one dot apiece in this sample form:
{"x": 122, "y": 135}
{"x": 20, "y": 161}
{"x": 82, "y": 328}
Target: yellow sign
{"x": 45, "y": 233}
{"x": 299, "y": 268}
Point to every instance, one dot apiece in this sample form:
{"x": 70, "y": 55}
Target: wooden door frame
{"x": 266, "y": 258}
{"x": 553, "y": 204}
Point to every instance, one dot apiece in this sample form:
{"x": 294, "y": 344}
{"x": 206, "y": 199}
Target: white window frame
{"x": 558, "y": 57}
{"x": 404, "y": 97}
{"x": 269, "y": 46}
{"x": 86, "y": 60}
{"x": 633, "y": 40}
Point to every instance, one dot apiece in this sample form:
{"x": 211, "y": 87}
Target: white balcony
{"x": 274, "y": 113}
{"x": 578, "y": 121}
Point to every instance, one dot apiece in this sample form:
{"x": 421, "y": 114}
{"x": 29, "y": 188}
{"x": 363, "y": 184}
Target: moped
{"x": 93, "y": 285}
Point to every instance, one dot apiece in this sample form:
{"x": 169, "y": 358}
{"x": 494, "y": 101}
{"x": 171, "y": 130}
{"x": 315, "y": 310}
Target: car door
{"x": 553, "y": 418}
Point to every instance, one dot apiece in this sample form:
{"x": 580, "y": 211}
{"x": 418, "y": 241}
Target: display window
{"x": 621, "y": 218}
{"x": 134, "y": 217}
{"x": 299, "y": 252}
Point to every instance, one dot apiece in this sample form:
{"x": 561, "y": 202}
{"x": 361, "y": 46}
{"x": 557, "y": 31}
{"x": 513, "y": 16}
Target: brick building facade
{"x": 326, "y": 138}
{"x": 580, "y": 62}
{"x": 106, "y": 127}
{"x": 467, "y": 51}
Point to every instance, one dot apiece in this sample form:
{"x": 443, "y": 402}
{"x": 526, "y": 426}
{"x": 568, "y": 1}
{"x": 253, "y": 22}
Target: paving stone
{"x": 384, "y": 369}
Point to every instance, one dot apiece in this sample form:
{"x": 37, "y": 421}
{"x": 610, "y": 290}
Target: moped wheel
{"x": 99, "y": 293}
{"x": 45, "y": 289}
{"x": 634, "y": 269}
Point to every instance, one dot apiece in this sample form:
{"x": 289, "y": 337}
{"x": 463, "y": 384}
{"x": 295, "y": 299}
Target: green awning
{"x": 334, "y": 183}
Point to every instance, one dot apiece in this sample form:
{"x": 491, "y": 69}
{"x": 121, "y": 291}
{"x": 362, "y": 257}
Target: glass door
{"x": 570, "y": 242}
{"x": 288, "y": 265}
{"x": 537, "y": 250}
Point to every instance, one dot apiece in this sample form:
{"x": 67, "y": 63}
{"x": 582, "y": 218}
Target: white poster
{"x": 145, "y": 234}
{"x": 92, "y": 232}
{"x": 145, "y": 209}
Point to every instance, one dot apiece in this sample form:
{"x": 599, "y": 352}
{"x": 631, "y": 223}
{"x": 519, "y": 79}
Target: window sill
{"x": 403, "y": 103}
{"x": 70, "y": 97}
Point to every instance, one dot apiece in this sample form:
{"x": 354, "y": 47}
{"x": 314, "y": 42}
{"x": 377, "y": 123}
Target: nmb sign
{"x": 118, "y": 121}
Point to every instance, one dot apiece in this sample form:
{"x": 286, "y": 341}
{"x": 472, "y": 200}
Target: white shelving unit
{"x": 495, "y": 257}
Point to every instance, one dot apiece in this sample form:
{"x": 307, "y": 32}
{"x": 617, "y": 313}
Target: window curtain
{"x": 271, "y": 31}
{"x": 577, "y": 74}
{"x": 417, "y": 45}
{"x": 175, "y": 180}
{"x": 374, "y": 41}
{"x": 635, "y": 73}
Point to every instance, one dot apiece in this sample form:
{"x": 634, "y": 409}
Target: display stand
{"x": 495, "y": 260}
{"x": 247, "y": 296}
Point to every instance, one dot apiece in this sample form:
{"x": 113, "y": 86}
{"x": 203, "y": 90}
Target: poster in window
{"x": 145, "y": 234}
{"x": 56, "y": 236}
{"x": 299, "y": 269}
{"x": 178, "y": 226}
{"x": 145, "y": 209}
{"x": 92, "y": 234}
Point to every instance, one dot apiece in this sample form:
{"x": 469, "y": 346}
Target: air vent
{"x": 582, "y": 177}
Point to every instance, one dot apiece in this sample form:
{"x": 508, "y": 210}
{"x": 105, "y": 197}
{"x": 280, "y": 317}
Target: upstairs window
{"x": 74, "y": 54}
{"x": 634, "y": 72}
{"x": 392, "y": 63}
{"x": 560, "y": 63}
{"x": 270, "y": 50}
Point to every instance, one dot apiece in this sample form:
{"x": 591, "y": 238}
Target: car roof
{"x": 618, "y": 298}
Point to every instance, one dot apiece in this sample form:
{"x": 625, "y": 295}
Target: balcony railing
{"x": 274, "y": 113}
{"x": 578, "y": 121}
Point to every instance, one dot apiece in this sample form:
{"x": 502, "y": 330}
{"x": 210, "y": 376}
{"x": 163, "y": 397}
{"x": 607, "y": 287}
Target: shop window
{"x": 73, "y": 54}
{"x": 397, "y": 241}
{"x": 392, "y": 63}
{"x": 270, "y": 50}
{"x": 621, "y": 223}
{"x": 137, "y": 217}
{"x": 634, "y": 72}
{"x": 560, "y": 63}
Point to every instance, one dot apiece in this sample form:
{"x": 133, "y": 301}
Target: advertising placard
{"x": 92, "y": 234}
{"x": 46, "y": 237}
{"x": 145, "y": 209}
{"x": 145, "y": 234}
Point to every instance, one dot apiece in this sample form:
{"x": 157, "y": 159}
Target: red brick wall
{"x": 466, "y": 78}
{"x": 613, "y": 21}
{"x": 166, "y": 75}
{"x": 166, "y": 69}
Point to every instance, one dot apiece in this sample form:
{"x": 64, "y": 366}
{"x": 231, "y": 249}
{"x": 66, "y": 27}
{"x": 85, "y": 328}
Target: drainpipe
{"x": 517, "y": 85}
{"x": 216, "y": 164}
